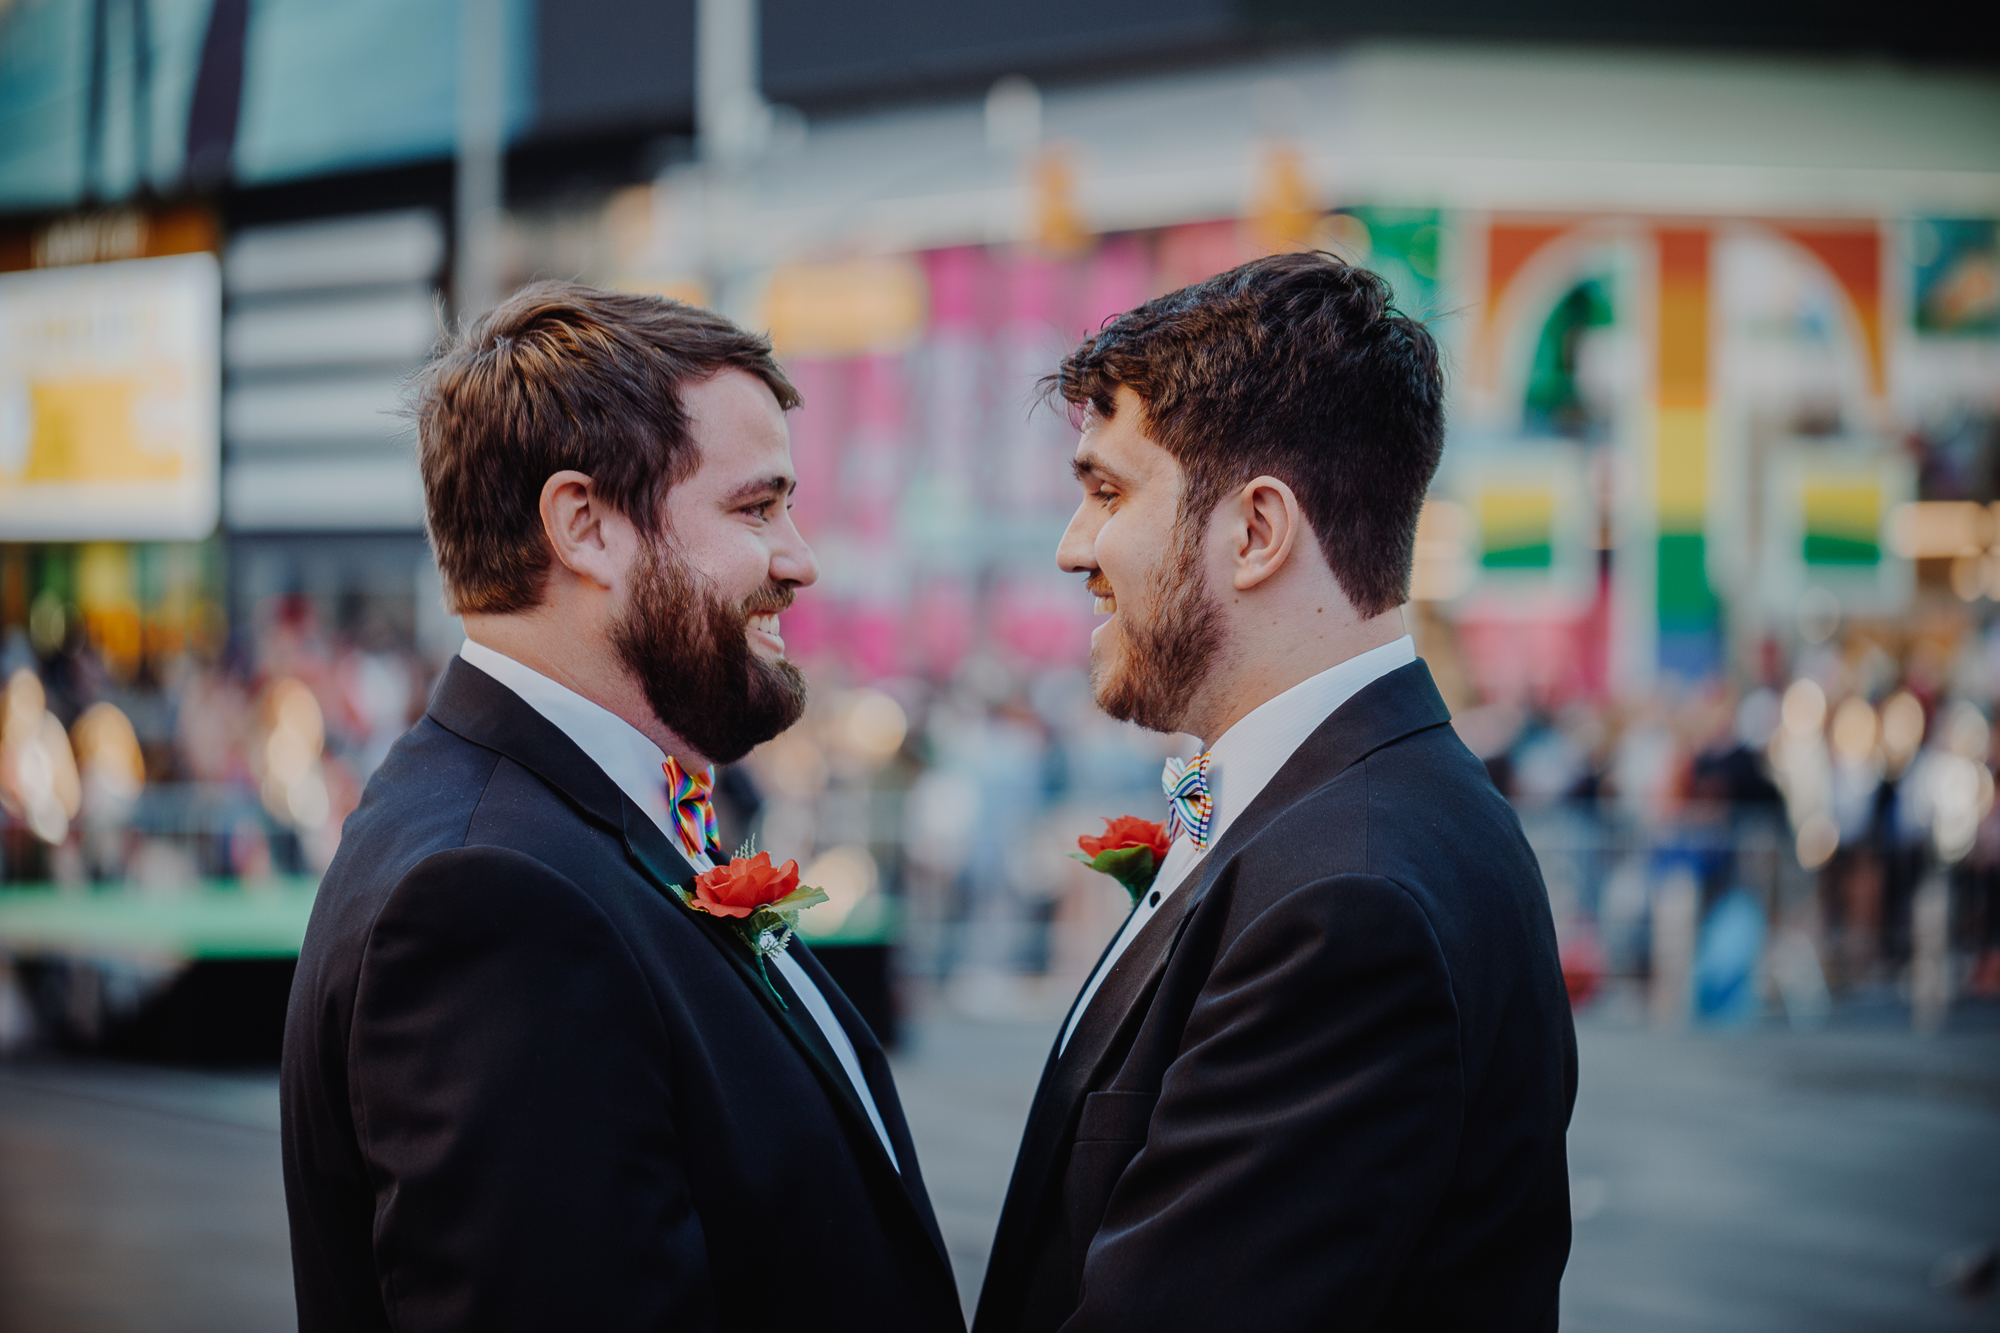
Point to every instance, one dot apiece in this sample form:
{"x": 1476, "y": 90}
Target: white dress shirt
{"x": 1246, "y": 757}
{"x": 632, "y": 761}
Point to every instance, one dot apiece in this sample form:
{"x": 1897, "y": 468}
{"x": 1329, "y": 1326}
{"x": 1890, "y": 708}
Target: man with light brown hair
{"x": 527, "y": 1083}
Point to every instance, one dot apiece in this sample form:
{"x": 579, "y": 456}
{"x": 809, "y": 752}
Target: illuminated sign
{"x": 109, "y": 387}
{"x": 1835, "y": 519}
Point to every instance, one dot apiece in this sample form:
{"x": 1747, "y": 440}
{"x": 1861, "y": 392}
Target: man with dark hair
{"x": 527, "y": 1083}
{"x": 1321, "y": 1077}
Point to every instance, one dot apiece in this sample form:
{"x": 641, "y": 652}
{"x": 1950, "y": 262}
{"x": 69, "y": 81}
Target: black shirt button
{"x": 1156, "y": 898}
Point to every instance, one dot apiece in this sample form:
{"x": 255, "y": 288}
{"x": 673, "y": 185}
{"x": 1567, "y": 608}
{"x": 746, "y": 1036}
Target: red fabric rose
{"x": 744, "y": 885}
{"x": 1128, "y": 831}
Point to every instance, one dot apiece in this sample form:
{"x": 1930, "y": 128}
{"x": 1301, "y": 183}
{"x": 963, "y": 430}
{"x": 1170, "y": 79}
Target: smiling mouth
{"x": 1105, "y": 606}
{"x": 1105, "y": 601}
{"x": 768, "y": 627}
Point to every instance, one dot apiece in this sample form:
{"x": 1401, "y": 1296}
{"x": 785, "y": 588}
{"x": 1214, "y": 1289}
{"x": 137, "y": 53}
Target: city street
{"x": 1769, "y": 1181}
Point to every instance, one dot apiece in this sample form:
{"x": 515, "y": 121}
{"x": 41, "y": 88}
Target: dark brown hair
{"x": 1294, "y": 366}
{"x": 561, "y": 376}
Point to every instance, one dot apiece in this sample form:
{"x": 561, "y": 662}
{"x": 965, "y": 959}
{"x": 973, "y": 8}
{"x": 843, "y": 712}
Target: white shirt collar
{"x": 632, "y": 761}
{"x": 1249, "y": 754}
{"x": 624, "y": 752}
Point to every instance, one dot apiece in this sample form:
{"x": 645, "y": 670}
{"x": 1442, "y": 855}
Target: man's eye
{"x": 1103, "y": 496}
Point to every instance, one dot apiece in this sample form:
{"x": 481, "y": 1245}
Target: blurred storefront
{"x": 1724, "y": 345}
{"x": 1726, "y": 406}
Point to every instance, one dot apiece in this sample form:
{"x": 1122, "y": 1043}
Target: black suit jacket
{"x": 524, "y": 1087}
{"x": 1326, "y": 1087}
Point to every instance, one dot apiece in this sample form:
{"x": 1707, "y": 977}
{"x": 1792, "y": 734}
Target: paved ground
{"x": 1777, "y": 1182}
{"x": 1767, "y": 1182}
{"x": 140, "y": 1199}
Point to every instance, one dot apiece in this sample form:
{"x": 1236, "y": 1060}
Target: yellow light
{"x": 1058, "y": 226}
{"x": 845, "y": 309}
{"x": 1940, "y": 529}
{"x": 1819, "y": 839}
{"x": 848, "y": 876}
{"x": 38, "y": 778}
{"x": 107, "y": 751}
{"x": 869, "y": 725}
{"x": 792, "y": 766}
{"x": 291, "y": 735}
{"x": 1902, "y": 727}
{"x": 1804, "y": 708}
{"x": 1283, "y": 210}
{"x": 1854, "y": 729}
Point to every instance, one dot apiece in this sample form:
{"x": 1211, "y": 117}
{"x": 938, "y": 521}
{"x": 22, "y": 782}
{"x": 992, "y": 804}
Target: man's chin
{"x": 1108, "y": 689}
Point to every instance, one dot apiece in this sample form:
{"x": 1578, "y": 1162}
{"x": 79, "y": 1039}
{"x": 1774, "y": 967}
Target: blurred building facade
{"x": 1720, "y": 297}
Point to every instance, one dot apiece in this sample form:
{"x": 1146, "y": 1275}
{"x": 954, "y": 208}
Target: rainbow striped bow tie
{"x": 1190, "y": 808}
{"x": 694, "y": 811}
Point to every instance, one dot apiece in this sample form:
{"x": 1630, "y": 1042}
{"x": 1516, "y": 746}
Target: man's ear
{"x": 1265, "y": 522}
{"x": 573, "y": 520}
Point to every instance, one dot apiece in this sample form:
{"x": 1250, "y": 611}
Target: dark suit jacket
{"x": 1327, "y": 1085}
{"x": 524, "y": 1087}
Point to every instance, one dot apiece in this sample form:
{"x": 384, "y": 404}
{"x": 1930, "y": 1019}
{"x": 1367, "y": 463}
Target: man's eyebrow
{"x": 1087, "y": 465}
{"x": 775, "y": 484}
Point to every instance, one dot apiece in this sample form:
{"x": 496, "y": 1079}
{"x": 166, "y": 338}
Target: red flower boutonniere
{"x": 759, "y": 902}
{"x": 1130, "y": 851}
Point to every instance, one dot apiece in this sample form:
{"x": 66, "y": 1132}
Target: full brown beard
{"x": 690, "y": 650}
{"x": 1167, "y": 657}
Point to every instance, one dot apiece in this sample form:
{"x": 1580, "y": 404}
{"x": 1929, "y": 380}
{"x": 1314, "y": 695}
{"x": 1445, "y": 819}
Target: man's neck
{"x": 1254, "y": 673}
{"x": 581, "y": 662}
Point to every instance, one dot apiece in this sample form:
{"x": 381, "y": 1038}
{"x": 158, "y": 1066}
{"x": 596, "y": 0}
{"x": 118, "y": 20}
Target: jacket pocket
{"x": 1109, "y": 1135}
{"x": 1116, "y": 1117}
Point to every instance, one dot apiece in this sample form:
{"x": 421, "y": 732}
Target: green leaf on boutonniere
{"x": 798, "y": 900}
{"x": 1134, "y": 867}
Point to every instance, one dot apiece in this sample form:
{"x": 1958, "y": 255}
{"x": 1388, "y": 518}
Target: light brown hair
{"x": 562, "y": 376}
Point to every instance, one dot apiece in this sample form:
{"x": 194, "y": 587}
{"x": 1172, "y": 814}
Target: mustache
{"x": 769, "y": 600}
{"x": 1097, "y": 585}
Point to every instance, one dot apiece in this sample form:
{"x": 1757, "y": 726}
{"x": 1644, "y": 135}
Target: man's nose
{"x": 1076, "y": 553}
{"x": 792, "y": 560}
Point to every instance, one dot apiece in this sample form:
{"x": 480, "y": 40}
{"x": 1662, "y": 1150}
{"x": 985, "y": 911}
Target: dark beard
{"x": 690, "y": 650}
{"x": 1167, "y": 659}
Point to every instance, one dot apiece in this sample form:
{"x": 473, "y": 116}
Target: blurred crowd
{"x": 1830, "y": 833}
{"x": 1711, "y": 853}
{"x": 238, "y": 765}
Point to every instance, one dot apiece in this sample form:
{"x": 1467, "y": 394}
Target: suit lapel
{"x": 472, "y": 704}
{"x": 1131, "y": 978}
{"x": 882, "y": 1086}
{"x": 1072, "y": 1070}
{"x": 1396, "y": 705}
